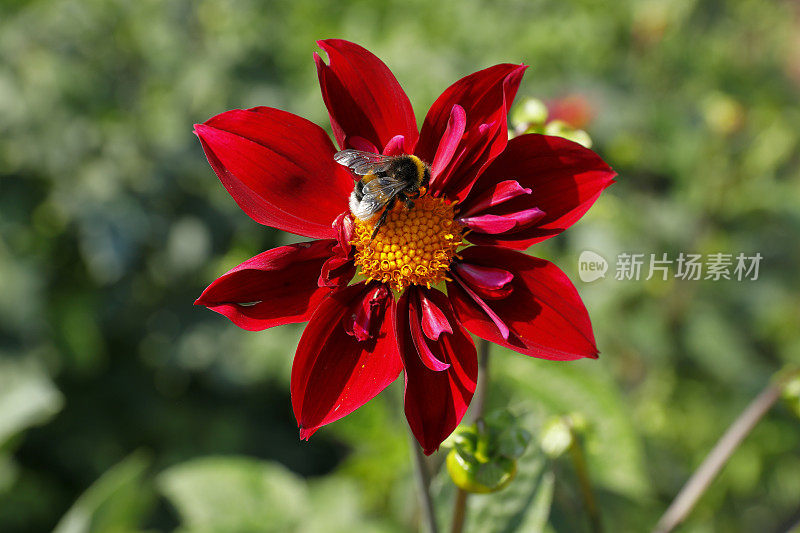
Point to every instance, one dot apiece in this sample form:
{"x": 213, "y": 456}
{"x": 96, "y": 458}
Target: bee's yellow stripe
{"x": 420, "y": 168}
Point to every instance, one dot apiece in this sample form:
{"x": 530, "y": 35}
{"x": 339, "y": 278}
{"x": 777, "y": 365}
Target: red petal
{"x": 543, "y": 311}
{"x": 276, "y": 287}
{"x": 435, "y": 402}
{"x": 363, "y": 97}
{"x": 334, "y": 373}
{"x": 279, "y": 168}
{"x": 485, "y": 97}
{"x": 565, "y": 179}
{"x": 360, "y": 143}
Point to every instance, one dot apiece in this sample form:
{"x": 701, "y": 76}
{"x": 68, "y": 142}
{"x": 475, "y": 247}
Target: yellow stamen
{"x": 413, "y": 246}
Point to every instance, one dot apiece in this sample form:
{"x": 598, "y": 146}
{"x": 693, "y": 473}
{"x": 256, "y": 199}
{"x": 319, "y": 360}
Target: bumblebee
{"x": 385, "y": 179}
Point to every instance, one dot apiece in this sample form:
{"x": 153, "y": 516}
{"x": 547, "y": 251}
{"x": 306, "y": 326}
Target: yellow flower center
{"x": 413, "y": 246}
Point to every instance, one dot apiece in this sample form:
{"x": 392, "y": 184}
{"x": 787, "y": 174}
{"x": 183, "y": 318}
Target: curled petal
{"x": 435, "y": 402}
{"x": 565, "y": 179}
{"x": 450, "y": 141}
{"x": 526, "y": 217}
{"x": 334, "y": 372}
{"x": 497, "y": 194}
{"x": 544, "y": 315}
{"x": 489, "y": 223}
{"x": 363, "y": 97}
{"x": 340, "y": 268}
{"x": 485, "y": 97}
{"x": 278, "y": 167}
{"x": 395, "y": 146}
{"x": 273, "y": 288}
{"x": 510, "y": 223}
{"x": 489, "y": 278}
{"x": 365, "y": 321}
{"x": 476, "y": 299}
{"x": 428, "y": 358}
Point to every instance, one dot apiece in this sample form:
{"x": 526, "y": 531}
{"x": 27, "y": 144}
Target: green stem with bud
{"x": 478, "y": 406}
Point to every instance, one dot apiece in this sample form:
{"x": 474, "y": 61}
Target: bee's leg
{"x": 381, "y": 220}
{"x": 407, "y": 200}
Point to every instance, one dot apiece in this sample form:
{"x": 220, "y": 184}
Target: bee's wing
{"x": 363, "y": 162}
{"x": 376, "y": 194}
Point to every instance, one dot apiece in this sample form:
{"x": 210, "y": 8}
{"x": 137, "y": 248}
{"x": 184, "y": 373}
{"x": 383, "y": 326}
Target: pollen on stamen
{"x": 413, "y": 247}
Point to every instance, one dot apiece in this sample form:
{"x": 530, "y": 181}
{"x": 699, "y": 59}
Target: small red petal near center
{"x": 415, "y": 321}
{"x": 434, "y": 321}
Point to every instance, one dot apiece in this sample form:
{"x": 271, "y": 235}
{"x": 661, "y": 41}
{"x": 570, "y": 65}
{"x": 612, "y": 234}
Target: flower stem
{"x": 579, "y": 462}
{"x": 481, "y": 389}
{"x": 459, "y": 511}
{"x": 686, "y": 499}
{"x": 478, "y": 406}
{"x": 423, "y": 480}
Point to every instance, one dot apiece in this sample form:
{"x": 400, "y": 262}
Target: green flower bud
{"x": 531, "y": 111}
{"x": 483, "y": 458}
{"x": 556, "y": 436}
{"x": 560, "y": 128}
{"x": 723, "y": 114}
{"x": 791, "y": 395}
{"x": 480, "y": 477}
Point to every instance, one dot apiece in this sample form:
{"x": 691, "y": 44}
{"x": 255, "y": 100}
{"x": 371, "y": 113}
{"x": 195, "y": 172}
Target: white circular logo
{"x": 591, "y": 266}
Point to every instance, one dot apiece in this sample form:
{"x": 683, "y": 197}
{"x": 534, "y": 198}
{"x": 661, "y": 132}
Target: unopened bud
{"x": 560, "y": 128}
{"x": 532, "y": 112}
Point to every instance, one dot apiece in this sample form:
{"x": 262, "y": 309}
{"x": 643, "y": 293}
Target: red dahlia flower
{"x": 424, "y": 288}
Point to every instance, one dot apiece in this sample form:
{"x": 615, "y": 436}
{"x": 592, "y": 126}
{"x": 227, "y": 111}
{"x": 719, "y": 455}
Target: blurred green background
{"x": 125, "y": 408}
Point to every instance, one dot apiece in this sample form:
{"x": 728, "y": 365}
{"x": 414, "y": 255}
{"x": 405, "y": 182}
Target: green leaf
{"x": 242, "y": 495}
{"x": 235, "y": 494}
{"x": 116, "y": 502}
{"x": 27, "y": 397}
{"x": 8, "y": 472}
{"x": 335, "y": 506}
{"x": 613, "y": 449}
{"x": 535, "y": 518}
